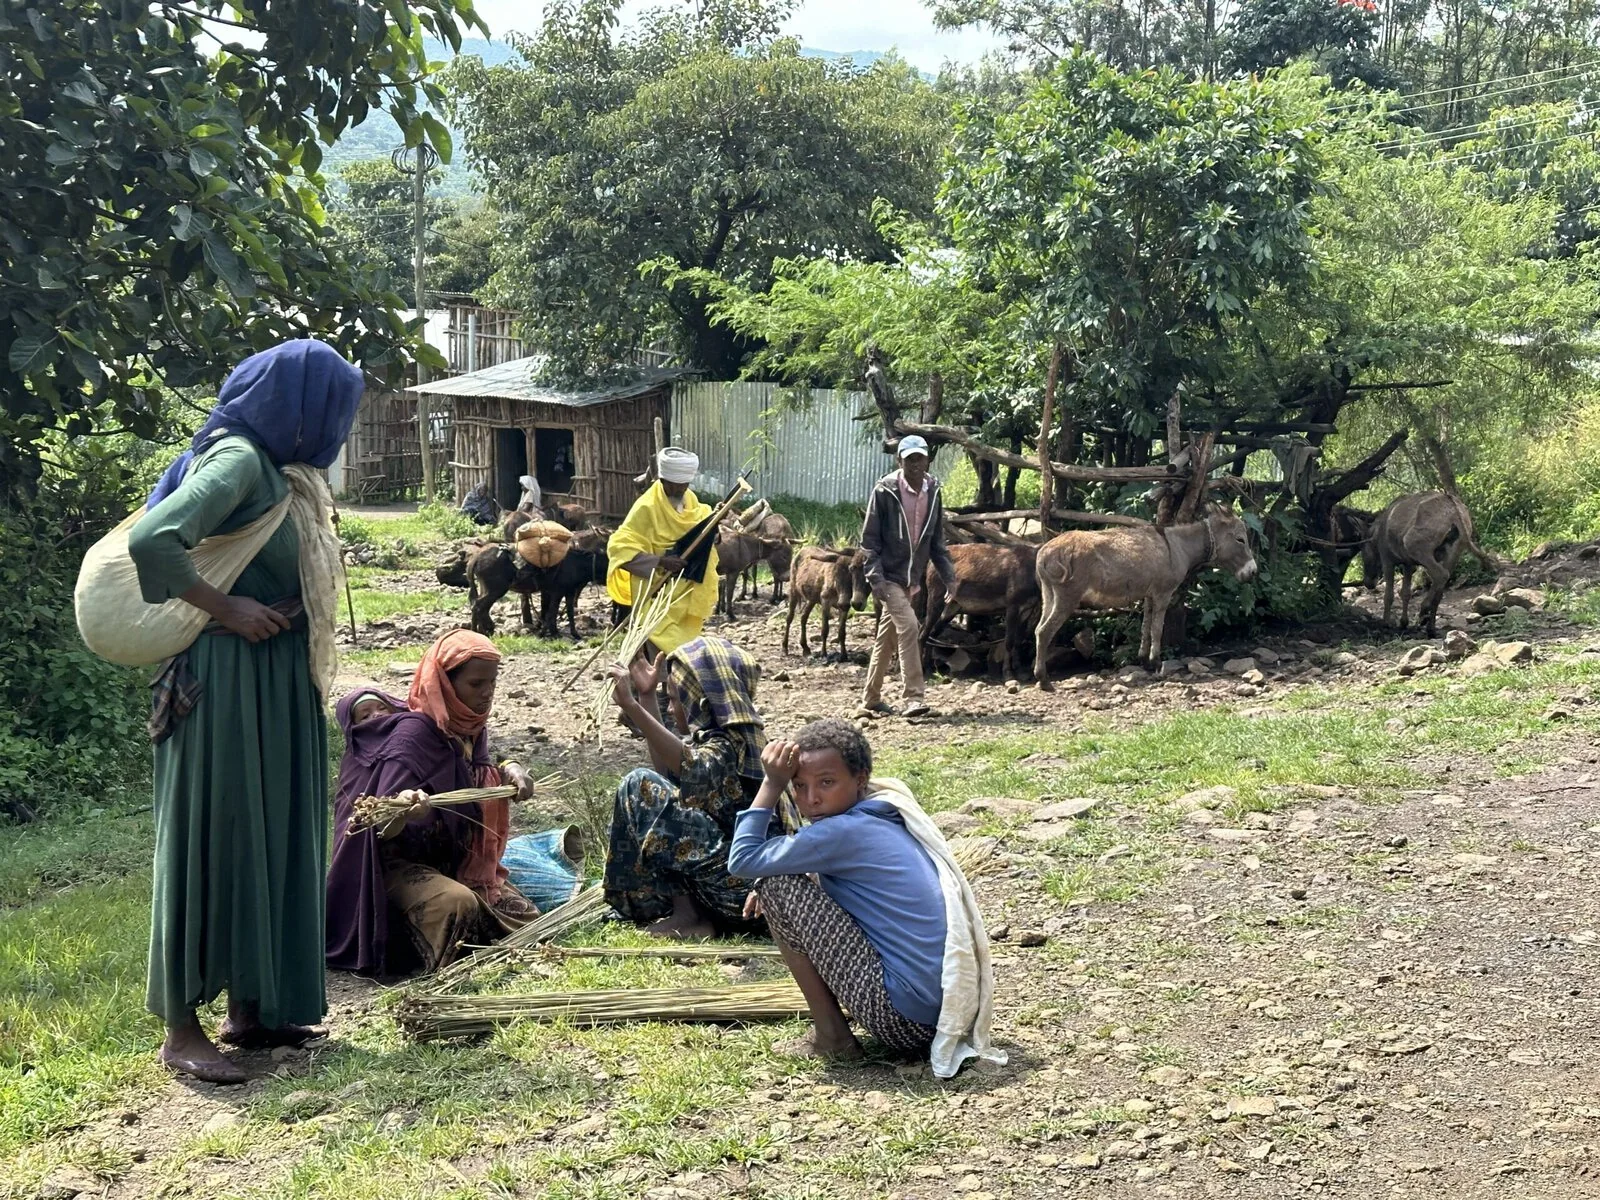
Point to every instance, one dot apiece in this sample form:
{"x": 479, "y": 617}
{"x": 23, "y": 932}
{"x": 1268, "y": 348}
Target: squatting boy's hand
{"x": 779, "y": 762}
{"x": 752, "y": 907}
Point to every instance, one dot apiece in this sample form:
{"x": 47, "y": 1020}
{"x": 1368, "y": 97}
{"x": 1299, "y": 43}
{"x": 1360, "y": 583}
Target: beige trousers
{"x": 897, "y": 634}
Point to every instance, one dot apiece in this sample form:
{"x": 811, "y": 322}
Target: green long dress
{"x": 241, "y": 787}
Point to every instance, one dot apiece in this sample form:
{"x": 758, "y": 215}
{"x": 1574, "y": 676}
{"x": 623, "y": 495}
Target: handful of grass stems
{"x": 370, "y": 811}
{"x": 643, "y": 620}
{"x": 427, "y": 1016}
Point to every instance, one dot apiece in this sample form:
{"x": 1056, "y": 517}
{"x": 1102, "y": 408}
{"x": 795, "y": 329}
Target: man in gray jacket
{"x": 903, "y": 533}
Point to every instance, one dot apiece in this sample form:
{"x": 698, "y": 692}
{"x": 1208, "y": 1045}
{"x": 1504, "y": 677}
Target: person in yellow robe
{"x": 646, "y": 542}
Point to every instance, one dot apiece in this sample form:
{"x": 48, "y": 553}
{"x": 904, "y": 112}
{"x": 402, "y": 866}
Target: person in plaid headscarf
{"x": 667, "y": 864}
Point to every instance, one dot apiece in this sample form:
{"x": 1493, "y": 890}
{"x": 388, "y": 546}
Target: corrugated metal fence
{"x": 814, "y": 453}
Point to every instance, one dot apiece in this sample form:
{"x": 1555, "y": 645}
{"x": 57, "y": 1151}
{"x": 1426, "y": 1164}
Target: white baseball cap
{"x": 913, "y": 444}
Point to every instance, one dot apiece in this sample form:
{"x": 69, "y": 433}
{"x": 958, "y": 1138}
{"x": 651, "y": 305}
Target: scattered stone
{"x": 1266, "y": 657}
{"x": 1211, "y": 797}
{"x": 1238, "y": 666}
{"x": 1236, "y": 835}
{"x": 1198, "y": 666}
{"x": 1556, "y": 712}
{"x": 299, "y": 1105}
{"x": 1031, "y": 937}
{"x": 954, "y": 821}
{"x": 285, "y": 1053}
{"x": 1529, "y": 598}
{"x": 1298, "y": 893}
{"x": 583, "y": 1128}
{"x": 1496, "y": 656}
{"x": 1171, "y": 667}
{"x": 1398, "y": 842}
{"x": 1474, "y": 860}
{"x": 1488, "y": 606}
{"x": 1228, "y": 1167}
{"x": 1000, "y": 933}
{"x": 1458, "y": 645}
{"x": 1419, "y": 658}
{"x": 998, "y": 806}
{"x": 1168, "y": 1077}
{"x": 1253, "y": 677}
{"x": 403, "y": 670}
{"x": 220, "y": 1123}
{"x": 66, "y": 1182}
{"x": 1062, "y": 810}
{"x": 1084, "y": 1162}
{"x": 1251, "y": 1106}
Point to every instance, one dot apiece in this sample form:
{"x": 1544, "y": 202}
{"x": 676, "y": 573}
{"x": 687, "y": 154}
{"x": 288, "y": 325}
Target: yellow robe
{"x": 653, "y": 526}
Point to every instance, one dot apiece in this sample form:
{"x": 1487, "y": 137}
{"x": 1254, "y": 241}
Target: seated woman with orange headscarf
{"x": 408, "y": 896}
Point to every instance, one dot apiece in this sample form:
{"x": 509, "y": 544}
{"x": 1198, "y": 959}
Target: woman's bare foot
{"x": 832, "y": 1049}
{"x": 687, "y": 923}
{"x": 675, "y": 927}
{"x": 189, "y": 1051}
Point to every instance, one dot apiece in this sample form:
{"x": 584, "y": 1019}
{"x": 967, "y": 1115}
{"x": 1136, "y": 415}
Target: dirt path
{"x": 1341, "y": 997}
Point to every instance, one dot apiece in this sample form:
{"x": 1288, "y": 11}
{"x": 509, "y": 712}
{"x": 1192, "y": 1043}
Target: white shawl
{"x": 967, "y": 1005}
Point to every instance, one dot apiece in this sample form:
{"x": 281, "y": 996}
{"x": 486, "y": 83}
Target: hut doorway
{"x": 510, "y": 465}
{"x": 553, "y": 459}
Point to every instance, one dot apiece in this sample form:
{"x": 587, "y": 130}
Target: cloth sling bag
{"x": 117, "y": 625}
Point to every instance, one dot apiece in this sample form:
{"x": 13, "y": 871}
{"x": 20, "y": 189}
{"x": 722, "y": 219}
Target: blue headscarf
{"x": 296, "y": 401}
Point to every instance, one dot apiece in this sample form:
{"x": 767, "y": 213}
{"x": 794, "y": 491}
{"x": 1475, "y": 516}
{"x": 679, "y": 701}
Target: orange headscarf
{"x": 432, "y": 693}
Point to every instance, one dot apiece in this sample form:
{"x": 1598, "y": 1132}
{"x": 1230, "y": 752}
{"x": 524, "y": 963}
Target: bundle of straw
{"x": 976, "y": 856}
{"x": 368, "y": 811}
{"x": 583, "y": 909}
{"x": 430, "y": 1016}
{"x": 643, "y": 620}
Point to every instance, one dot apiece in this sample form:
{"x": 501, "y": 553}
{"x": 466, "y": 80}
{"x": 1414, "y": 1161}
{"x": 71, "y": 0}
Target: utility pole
{"x": 426, "y": 161}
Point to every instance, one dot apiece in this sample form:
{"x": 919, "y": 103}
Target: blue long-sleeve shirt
{"x": 871, "y": 865}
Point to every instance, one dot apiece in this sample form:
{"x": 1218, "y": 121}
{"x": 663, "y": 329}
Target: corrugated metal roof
{"x": 514, "y": 380}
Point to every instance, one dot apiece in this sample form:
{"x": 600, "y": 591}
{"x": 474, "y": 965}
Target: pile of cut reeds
{"x": 583, "y": 909}
{"x": 428, "y": 1016}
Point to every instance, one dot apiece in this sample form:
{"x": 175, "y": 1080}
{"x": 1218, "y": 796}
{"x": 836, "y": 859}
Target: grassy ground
{"x": 559, "y": 1112}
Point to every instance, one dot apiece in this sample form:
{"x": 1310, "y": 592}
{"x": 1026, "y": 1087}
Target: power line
{"x": 1477, "y": 154}
{"x": 1495, "y": 89}
{"x": 1464, "y": 132}
{"x": 1457, "y": 87}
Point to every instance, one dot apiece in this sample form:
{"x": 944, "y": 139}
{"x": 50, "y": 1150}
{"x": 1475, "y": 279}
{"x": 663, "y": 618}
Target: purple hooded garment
{"x": 383, "y": 757}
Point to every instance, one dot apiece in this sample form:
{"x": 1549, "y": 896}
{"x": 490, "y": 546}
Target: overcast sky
{"x": 903, "y": 25}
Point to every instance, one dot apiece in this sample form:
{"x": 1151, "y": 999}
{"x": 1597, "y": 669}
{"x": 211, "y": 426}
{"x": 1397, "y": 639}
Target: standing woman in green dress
{"x": 241, "y": 762}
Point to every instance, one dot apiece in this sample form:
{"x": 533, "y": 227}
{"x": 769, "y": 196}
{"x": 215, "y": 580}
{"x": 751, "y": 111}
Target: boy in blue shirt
{"x": 869, "y": 932}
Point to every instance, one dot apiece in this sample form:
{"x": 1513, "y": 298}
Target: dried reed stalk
{"x": 368, "y": 811}
{"x": 583, "y": 909}
{"x": 428, "y": 1016}
{"x": 643, "y": 621}
{"x": 976, "y": 856}
{"x": 684, "y": 953}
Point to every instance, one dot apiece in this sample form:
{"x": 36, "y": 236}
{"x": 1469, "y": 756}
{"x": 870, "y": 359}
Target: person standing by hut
{"x": 903, "y": 532}
{"x": 660, "y": 524}
{"x": 241, "y": 774}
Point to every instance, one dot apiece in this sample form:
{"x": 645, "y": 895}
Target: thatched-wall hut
{"x": 585, "y": 447}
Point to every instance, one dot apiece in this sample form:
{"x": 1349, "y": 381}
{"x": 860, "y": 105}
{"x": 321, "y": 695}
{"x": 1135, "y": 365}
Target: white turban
{"x": 677, "y": 466}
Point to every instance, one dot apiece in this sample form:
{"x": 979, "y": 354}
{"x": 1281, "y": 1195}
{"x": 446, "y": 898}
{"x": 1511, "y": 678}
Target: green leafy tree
{"x": 696, "y": 142}
{"x": 373, "y": 217}
{"x": 159, "y": 215}
{"x": 1340, "y": 36}
{"x": 1135, "y": 220}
